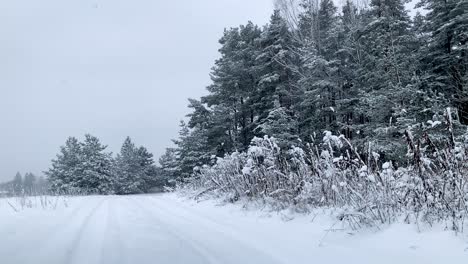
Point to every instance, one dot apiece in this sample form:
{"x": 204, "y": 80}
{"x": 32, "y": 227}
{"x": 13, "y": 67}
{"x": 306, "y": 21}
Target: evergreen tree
{"x": 277, "y": 94}
{"x": 231, "y": 94}
{"x": 370, "y": 74}
{"x": 214, "y": 125}
{"x": 192, "y": 150}
{"x": 30, "y": 183}
{"x": 327, "y": 19}
{"x": 96, "y": 167}
{"x": 65, "y": 173}
{"x": 18, "y": 184}
{"x": 282, "y": 126}
{"x": 348, "y": 60}
{"x": 275, "y": 65}
{"x": 128, "y": 179}
{"x": 170, "y": 165}
{"x": 148, "y": 170}
{"x": 85, "y": 167}
{"x": 447, "y": 53}
{"x": 320, "y": 79}
{"x": 308, "y": 24}
{"x": 42, "y": 185}
{"x": 385, "y": 74}
{"x": 134, "y": 169}
{"x": 82, "y": 167}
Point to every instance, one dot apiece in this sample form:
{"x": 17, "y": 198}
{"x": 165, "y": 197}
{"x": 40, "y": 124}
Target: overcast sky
{"x": 111, "y": 68}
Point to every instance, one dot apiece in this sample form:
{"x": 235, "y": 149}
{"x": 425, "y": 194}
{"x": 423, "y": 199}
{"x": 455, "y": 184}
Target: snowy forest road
{"x": 127, "y": 229}
{"x": 169, "y": 229}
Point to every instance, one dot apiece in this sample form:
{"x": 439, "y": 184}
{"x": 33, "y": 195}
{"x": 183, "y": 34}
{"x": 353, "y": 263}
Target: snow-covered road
{"x": 165, "y": 229}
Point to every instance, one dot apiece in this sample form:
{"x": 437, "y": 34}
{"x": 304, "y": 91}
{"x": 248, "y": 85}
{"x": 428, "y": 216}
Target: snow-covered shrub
{"x": 432, "y": 187}
{"x": 437, "y": 180}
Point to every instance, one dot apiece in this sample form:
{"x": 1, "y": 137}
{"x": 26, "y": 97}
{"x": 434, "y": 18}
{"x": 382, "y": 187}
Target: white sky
{"x": 111, "y": 68}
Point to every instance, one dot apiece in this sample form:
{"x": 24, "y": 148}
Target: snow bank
{"x": 319, "y": 238}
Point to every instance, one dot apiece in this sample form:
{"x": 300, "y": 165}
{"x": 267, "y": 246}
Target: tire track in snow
{"x": 182, "y": 213}
{"x": 206, "y": 237}
{"x": 112, "y": 250}
{"x": 71, "y": 251}
{"x": 203, "y": 219}
{"x": 202, "y": 252}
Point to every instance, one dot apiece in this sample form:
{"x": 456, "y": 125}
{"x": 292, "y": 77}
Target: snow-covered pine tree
{"x": 320, "y": 79}
{"x": 148, "y": 170}
{"x": 307, "y": 29}
{"x": 231, "y": 94}
{"x": 277, "y": 94}
{"x": 18, "y": 184}
{"x": 446, "y": 58}
{"x": 96, "y": 166}
{"x": 347, "y": 59}
{"x": 82, "y": 167}
{"x": 169, "y": 165}
{"x": 29, "y": 183}
{"x": 128, "y": 171}
{"x": 134, "y": 170}
{"x": 385, "y": 75}
{"x": 281, "y": 126}
{"x": 64, "y": 173}
{"x": 42, "y": 185}
{"x": 277, "y": 66}
{"x": 192, "y": 150}
{"x": 362, "y": 73}
{"x": 215, "y": 125}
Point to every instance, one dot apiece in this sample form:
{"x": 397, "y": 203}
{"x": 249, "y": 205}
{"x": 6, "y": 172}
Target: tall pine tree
{"x": 447, "y": 54}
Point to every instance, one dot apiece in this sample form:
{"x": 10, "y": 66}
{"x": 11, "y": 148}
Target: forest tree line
{"x": 362, "y": 109}
{"x": 87, "y": 168}
{"x": 29, "y": 184}
{"x": 369, "y": 73}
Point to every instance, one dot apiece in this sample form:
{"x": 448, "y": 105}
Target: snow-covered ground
{"x": 169, "y": 229}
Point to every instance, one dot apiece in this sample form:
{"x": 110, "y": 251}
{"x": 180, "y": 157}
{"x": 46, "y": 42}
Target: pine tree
{"x": 277, "y": 67}
{"x": 447, "y": 54}
{"x": 327, "y": 19}
{"x": 170, "y": 165}
{"x": 148, "y": 170}
{"x": 96, "y": 167}
{"x": 231, "y": 94}
{"x": 370, "y": 74}
{"x": 385, "y": 74}
{"x": 30, "y": 183}
{"x": 18, "y": 184}
{"x": 42, "y": 185}
{"x": 192, "y": 151}
{"x": 214, "y": 125}
{"x": 282, "y": 126}
{"x": 348, "y": 59}
{"x": 134, "y": 169}
{"x": 65, "y": 173}
{"x": 128, "y": 179}
{"x": 320, "y": 78}
{"x": 308, "y": 23}
{"x": 82, "y": 167}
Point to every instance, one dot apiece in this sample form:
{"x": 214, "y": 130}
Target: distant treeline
{"x": 30, "y": 184}
{"x": 86, "y": 168}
